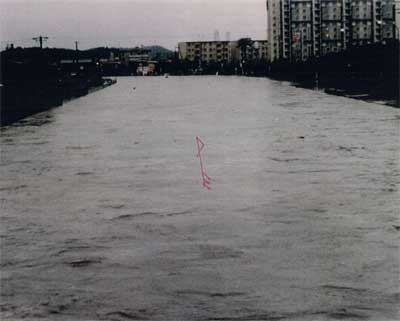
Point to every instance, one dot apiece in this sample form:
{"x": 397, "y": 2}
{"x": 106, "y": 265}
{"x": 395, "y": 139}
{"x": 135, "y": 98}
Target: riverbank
{"x": 22, "y": 101}
{"x": 36, "y": 80}
{"x": 369, "y": 73}
{"x": 360, "y": 88}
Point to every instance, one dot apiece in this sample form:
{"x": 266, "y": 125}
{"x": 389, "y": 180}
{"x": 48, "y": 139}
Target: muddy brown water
{"x": 103, "y": 215}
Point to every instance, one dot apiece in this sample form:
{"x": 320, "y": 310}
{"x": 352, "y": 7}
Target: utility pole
{"x": 76, "y": 52}
{"x": 40, "y": 39}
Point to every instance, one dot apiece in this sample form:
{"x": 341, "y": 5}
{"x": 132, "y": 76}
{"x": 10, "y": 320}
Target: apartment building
{"x": 299, "y": 29}
{"x": 206, "y": 51}
{"x": 275, "y": 29}
{"x": 260, "y": 51}
{"x": 223, "y": 51}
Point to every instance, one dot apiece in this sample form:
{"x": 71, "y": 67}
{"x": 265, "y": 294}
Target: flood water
{"x": 104, "y": 216}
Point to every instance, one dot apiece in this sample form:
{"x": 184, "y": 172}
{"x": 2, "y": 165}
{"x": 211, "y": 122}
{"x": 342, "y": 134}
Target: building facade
{"x": 299, "y": 29}
{"x": 260, "y": 50}
{"x": 223, "y": 51}
{"x": 206, "y": 51}
{"x": 133, "y": 55}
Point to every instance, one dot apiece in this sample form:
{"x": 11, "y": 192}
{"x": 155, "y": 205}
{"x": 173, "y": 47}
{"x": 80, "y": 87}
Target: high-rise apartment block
{"x": 299, "y": 29}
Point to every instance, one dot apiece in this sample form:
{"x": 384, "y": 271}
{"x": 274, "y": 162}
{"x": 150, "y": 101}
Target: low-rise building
{"x": 134, "y": 61}
{"x": 206, "y": 51}
{"x": 223, "y": 51}
{"x": 133, "y": 55}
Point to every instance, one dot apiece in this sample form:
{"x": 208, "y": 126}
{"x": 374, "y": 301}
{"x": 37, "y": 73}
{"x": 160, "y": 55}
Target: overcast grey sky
{"x": 128, "y": 23}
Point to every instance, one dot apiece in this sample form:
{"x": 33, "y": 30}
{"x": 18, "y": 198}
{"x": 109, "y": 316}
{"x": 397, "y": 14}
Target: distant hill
{"x": 160, "y": 53}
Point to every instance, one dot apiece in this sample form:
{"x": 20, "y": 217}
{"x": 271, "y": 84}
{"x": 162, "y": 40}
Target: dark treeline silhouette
{"x": 187, "y": 67}
{"x": 34, "y": 79}
{"x": 56, "y": 54}
{"x": 370, "y": 72}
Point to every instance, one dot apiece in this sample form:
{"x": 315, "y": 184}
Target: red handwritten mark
{"x": 204, "y": 176}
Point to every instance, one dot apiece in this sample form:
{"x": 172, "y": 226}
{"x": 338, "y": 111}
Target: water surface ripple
{"x": 103, "y": 215}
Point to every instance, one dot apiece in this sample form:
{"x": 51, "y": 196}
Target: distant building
{"x": 222, "y": 51}
{"x": 78, "y": 66}
{"x": 299, "y": 29}
{"x": 259, "y": 50}
{"x": 134, "y": 55}
{"x": 207, "y": 51}
{"x": 134, "y": 61}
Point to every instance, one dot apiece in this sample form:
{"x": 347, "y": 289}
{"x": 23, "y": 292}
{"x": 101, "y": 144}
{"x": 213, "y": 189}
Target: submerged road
{"x": 104, "y": 214}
